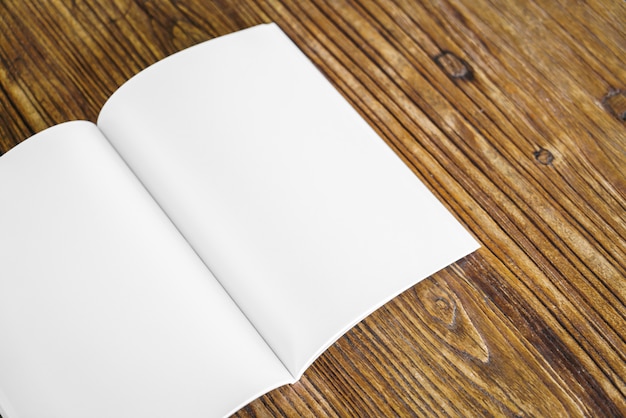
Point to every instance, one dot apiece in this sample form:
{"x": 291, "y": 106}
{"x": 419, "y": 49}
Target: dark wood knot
{"x": 454, "y": 66}
{"x": 543, "y": 156}
{"x": 614, "y": 102}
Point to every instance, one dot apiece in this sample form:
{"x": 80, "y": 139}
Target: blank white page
{"x": 303, "y": 213}
{"x": 105, "y": 311}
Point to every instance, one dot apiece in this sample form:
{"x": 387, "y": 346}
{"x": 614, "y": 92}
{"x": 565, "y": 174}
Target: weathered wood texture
{"x": 511, "y": 112}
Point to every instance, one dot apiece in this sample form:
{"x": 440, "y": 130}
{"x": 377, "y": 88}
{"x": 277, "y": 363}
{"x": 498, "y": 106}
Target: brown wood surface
{"x": 513, "y": 113}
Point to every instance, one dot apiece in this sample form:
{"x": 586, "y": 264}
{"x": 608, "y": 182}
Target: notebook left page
{"x": 104, "y": 308}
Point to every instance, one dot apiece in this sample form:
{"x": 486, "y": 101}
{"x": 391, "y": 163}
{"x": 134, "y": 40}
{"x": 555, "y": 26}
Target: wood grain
{"x": 513, "y": 114}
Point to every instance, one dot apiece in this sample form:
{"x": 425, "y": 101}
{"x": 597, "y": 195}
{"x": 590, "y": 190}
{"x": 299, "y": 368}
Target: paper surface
{"x": 105, "y": 311}
{"x": 301, "y": 211}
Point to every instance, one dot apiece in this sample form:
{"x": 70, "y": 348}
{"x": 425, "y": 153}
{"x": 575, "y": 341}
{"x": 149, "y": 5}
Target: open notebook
{"x": 228, "y": 218}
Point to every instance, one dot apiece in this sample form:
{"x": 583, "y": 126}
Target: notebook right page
{"x": 303, "y": 213}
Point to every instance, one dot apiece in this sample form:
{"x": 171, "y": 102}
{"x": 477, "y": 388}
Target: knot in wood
{"x": 543, "y": 156}
{"x": 614, "y": 102}
{"x": 454, "y": 66}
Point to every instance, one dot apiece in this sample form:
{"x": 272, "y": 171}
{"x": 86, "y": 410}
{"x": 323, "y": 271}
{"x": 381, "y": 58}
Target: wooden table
{"x": 513, "y": 114}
